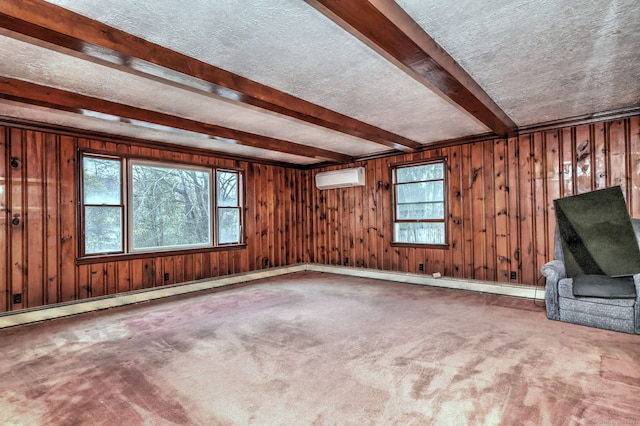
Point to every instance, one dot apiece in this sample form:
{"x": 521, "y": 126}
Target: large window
{"x": 131, "y": 205}
{"x": 419, "y": 192}
{"x": 170, "y": 207}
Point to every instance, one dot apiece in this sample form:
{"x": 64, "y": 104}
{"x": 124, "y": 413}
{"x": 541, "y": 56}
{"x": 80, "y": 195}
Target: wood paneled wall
{"x": 501, "y": 194}
{"x": 38, "y": 237}
{"x": 501, "y": 220}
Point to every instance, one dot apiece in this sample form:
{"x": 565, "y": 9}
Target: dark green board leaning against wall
{"x": 596, "y": 234}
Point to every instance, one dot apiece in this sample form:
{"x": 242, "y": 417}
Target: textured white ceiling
{"x": 144, "y": 132}
{"x": 50, "y": 68}
{"x": 542, "y": 60}
{"x": 538, "y": 60}
{"x": 289, "y": 45}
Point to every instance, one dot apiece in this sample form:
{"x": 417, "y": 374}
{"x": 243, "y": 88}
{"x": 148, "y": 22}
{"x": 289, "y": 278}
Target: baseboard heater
{"x": 44, "y": 313}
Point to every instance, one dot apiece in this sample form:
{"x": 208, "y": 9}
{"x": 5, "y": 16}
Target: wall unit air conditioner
{"x": 340, "y": 178}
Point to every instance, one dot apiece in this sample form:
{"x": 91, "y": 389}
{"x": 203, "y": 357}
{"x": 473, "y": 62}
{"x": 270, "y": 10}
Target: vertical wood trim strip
{"x": 456, "y": 200}
{"x": 627, "y": 164}
{"x": 478, "y": 216}
{"x": 467, "y": 223}
{"x": 501, "y": 212}
{"x": 607, "y": 147}
{"x": 553, "y": 185}
{"x": 634, "y": 161}
{"x": 490, "y": 210}
{"x": 523, "y": 249}
{"x": 17, "y": 240}
{"x": 583, "y": 159}
{"x": 5, "y": 236}
{"x": 35, "y": 206}
{"x": 527, "y": 209}
{"x": 600, "y": 168}
{"x": 68, "y": 238}
{"x": 373, "y": 259}
{"x": 542, "y": 217}
{"x": 592, "y": 155}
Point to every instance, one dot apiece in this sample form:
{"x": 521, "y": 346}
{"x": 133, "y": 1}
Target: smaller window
{"x": 103, "y": 205}
{"x": 228, "y": 206}
{"x": 419, "y": 203}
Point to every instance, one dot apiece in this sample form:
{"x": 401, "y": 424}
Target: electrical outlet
{"x": 17, "y": 298}
{"x": 421, "y": 267}
{"x": 346, "y": 260}
{"x": 166, "y": 276}
{"x": 514, "y": 276}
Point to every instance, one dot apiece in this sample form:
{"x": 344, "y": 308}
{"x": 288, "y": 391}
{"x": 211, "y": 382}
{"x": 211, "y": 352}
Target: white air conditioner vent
{"x": 340, "y": 178}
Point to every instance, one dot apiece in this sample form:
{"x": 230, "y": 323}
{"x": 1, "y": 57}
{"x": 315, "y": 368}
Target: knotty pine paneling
{"x": 38, "y": 231}
{"x": 501, "y": 217}
{"x": 5, "y": 277}
{"x": 501, "y": 196}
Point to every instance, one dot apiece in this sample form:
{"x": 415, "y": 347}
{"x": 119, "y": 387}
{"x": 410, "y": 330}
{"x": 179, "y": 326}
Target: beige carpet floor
{"x": 318, "y": 349}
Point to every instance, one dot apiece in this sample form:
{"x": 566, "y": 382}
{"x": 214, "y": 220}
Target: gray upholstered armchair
{"x": 611, "y": 314}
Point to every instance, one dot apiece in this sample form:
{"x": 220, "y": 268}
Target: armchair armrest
{"x": 553, "y": 272}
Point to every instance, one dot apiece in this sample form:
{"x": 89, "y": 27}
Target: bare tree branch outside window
{"x": 419, "y": 193}
{"x": 103, "y": 210}
{"x": 168, "y": 206}
{"x": 228, "y": 201}
{"x": 171, "y": 206}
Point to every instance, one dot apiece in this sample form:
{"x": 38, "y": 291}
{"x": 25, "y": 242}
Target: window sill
{"x": 87, "y": 260}
{"x": 418, "y": 245}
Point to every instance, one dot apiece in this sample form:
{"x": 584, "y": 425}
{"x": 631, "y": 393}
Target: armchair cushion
{"x": 565, "y": 291}
{"x": 604, "y": 286}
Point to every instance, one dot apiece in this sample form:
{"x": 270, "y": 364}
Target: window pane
{"x": 228, "y": 225}
{"x": 420, "y": 192}
{"x": 418, "y": 173}
{"x": 102, "y": 183}
{"x": 103, "y": 230}
{"x": 420, "y": 211}
{"x": 227, "y": 189}
{"x": 171, "y": 207}
{"x": 421, "y": 233}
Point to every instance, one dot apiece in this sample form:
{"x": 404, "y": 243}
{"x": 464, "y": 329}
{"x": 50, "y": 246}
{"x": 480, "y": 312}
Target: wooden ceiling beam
{"x": 58, "y": 26}
{"x": 385, "y": 27}
{"x": 36, "y": 94}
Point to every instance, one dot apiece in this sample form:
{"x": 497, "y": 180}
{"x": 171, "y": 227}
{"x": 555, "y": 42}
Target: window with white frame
{"x": 131, "y": 205}
{"x": 419, "y": 192}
